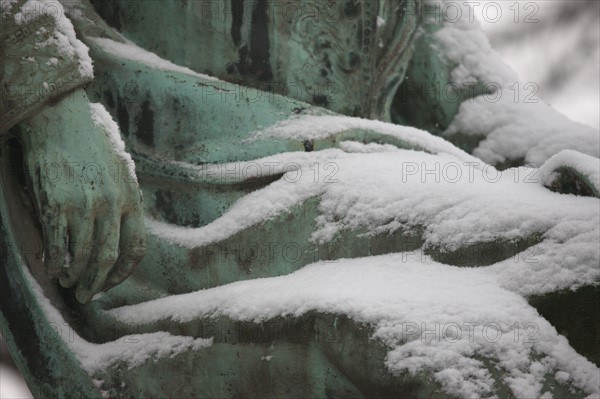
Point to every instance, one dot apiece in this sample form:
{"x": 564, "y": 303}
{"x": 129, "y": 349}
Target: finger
{"x": 132, "y": 247}
{"x": 80, "y": 246}
{"x": 102, "y": 260}
{"x": 35, "y": 185}
{"x": 55, "y": 243}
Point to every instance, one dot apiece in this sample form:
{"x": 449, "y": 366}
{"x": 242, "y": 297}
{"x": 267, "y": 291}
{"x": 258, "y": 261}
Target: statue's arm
{"x": 41, "y": 61}
{"x": 81, "y": 180}
{"x": 86, "y": 194}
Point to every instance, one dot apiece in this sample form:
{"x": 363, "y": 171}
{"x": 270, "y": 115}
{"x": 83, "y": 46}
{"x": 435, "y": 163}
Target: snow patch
{"x": 454, "y": 202}
{"x": 104, "y": 120}
{"x": 465, "y": 45}
{"x": 532, "y": 131}
{"x": 515, "y": 128}
{"x": 132, "y": 52}
{"x": 131, "y": 350}
{"x": 396, "y": 292}
{"x": 314, "y": 127}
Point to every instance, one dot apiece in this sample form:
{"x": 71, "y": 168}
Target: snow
{"x": 516, "y": 124}
{"x": 463, "y": 43}
{"x": 63, "y": 36}
{"x": 131, "y": 350}
{"x": 280, "y": 196}
{"x": 252, "y": 208}
{"x": 455, "y": 201}
{"x": 353, "y": 146}
{"x": 298, "y": 184}
{"x": 568, "y": 258}
{"x": 586, "y": 165}
{"x": 313, "y": 127}
{"x": 267, "y": 166}
{"x": 104, "y": 120}
{"x": 132, "y": 52}
{"x": 395, "y": 293}
{"x": 532, "y": 131}
{"x": 413, "y": 306}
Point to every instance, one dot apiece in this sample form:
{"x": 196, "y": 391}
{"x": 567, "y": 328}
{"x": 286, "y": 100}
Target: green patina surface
{"x": 570, "y": 181}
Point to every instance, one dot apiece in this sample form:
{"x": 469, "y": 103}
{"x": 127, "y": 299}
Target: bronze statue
{"x": 287, "y": 247}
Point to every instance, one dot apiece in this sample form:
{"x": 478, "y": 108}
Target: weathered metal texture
{"x": 315, "y": 355}
{"x": 347, "y": 56}
{"x": 169, "y": 117}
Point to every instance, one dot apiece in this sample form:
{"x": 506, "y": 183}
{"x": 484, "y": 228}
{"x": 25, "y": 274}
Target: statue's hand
{"x": 86, "y": 195}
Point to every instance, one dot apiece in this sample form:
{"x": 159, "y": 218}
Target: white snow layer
{"x": 313, "y": 127}
{"x": 104, "y": 120}
{"x": 463, "y": 43}
{"x": 434, "y": 317}
{"x": 517, "y": 124}
{"x": 519, "y": 130}
{"x": 457, "y": 202}
{"x": 131, "y": 350}
{"x": 133, "y": 52}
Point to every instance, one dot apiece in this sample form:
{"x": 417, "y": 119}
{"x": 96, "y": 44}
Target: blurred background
{"x": 555, "y": 44}
{"x": 552, "y": 43}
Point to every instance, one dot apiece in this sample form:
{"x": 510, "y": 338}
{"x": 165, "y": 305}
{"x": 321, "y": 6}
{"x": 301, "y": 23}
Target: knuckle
{"x": 87, "y": 201}
{"x": 133, "y": 194}
{"x": 107, "y": 257}
{"x": 136, "y": 249}
{"x": 104, "y": 205}
{"x": 116, "y": 279}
